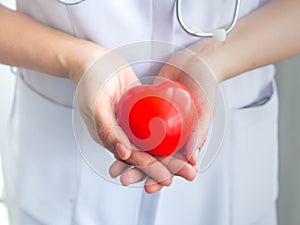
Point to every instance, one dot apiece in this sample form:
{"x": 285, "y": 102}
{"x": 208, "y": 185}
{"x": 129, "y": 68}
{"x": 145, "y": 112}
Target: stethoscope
{"x": 219, "y": 34}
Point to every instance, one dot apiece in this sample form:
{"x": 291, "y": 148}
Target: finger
{"x": 122, "y": 151}
{"x": 191, "y": 148}
{"x": 180, "y": 167}
{"x": 117, "y": 168}
{"x": 188, "y": 172}
{"x": 132, "y": 176}
{"x": 194, "y": 159}
{"x": 152, "y": 186}
{"x": 195, "y": 142}
{"x": 111, "y": 135}
{"x": 151, "y": 167}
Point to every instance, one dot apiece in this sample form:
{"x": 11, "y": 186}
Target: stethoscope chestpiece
{"x": 219, "y": 35}
{"x": 70, "y": 2}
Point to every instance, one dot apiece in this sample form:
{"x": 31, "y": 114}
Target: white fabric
{"x": 54, "y": 186}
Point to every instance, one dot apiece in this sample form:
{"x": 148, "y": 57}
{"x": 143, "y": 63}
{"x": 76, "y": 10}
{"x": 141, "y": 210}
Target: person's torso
{"x": 65, "y": 192}
{"x": 116, "y": 23}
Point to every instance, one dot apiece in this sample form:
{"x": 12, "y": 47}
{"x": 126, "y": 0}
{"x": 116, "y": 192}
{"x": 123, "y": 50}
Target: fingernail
{"x": 122, "y": 151}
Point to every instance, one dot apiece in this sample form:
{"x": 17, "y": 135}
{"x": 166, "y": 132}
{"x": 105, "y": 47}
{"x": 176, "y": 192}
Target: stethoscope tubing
{"x": 180, "y": 19}
{"x": 206, "y": 34}
{"x": 70, "y": 2}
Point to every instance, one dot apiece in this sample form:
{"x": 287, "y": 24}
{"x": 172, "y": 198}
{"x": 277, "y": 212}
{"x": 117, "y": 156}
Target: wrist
{"x": 214, "y": 54}
{"x": 78, "y": 57}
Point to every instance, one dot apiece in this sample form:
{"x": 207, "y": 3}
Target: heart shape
{"x": 157, "y": 118}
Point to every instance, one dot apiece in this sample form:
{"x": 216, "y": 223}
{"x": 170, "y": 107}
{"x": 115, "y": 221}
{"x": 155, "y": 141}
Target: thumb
{"x": 111, "y": 134}
{"x": 111, "y": 141}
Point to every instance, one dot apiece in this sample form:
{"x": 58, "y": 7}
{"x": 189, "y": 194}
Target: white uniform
{"x": 53, "y": 185}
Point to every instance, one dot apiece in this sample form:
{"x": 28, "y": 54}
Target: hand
{"x": 202, "y": 84}
{"x": 97, "y": 94}
{"x": 189, "y": 69}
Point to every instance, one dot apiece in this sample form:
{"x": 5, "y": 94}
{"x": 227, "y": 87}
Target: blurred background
{"x": 288, "y": 78}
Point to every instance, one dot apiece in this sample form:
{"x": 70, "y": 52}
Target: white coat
{"x": 54, "y": 186}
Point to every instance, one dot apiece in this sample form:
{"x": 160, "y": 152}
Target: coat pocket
{"x": 255, "y": 158}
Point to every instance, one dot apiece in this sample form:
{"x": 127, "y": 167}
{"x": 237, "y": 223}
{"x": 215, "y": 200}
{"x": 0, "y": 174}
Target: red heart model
{"x": 157, "y": 118}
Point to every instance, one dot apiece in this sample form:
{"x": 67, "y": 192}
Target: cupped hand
{"x": 187, "y": 68}
{"x": 97, "y": 93}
